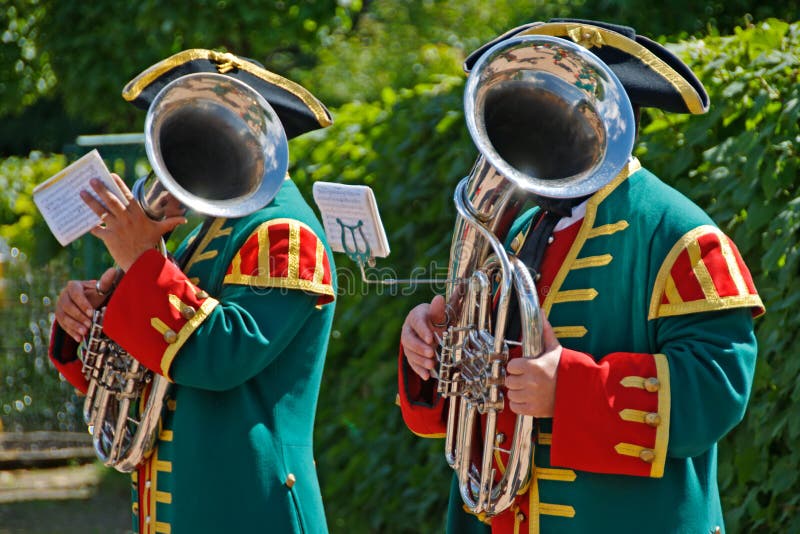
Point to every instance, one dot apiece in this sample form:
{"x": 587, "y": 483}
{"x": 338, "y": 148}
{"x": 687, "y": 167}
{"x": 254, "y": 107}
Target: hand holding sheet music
{"x": 58, "y": 198}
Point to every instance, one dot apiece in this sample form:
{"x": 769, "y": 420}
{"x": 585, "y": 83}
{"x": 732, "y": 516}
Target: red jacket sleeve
{"x": 423, "y": 409}
{"x": 63, "y": 352}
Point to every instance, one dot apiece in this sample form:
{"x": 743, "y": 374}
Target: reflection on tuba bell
{"x": 217, "y": 147}
{"x": 550, "y": 119}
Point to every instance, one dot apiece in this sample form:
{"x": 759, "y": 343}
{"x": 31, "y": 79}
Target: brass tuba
{"x": 216, "y": 147}
{"x": 549, "y": 119}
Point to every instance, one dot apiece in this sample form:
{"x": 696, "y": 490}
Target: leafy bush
{"x": 20, "y": 221}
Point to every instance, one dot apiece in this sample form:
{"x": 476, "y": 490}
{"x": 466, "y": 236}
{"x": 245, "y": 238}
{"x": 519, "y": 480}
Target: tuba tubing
{"x": 551, "y": 120}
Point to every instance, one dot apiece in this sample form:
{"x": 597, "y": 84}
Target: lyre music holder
{"x": 353, "y": 226}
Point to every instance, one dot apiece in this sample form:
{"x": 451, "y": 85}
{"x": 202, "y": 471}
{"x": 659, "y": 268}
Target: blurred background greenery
{"x": 390, "y": 71}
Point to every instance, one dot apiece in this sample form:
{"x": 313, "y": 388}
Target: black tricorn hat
{"x": 652, "y": 75}
{"x": 298, "y": 110}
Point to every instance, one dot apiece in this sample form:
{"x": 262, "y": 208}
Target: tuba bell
{"x": 549, "y": 119}
{"x": 216, "y": 147}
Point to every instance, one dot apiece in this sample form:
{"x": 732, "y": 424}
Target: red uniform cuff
{"x": 612, "y": 416}
{"x": 154, "y": 311}
{"x": 421, "y": 405}
{"x": 63, "y": 352}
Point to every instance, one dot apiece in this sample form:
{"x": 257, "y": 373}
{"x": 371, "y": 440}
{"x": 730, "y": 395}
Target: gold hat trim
{"x": 593, "y": 36}
{"x": 225, "y": 62}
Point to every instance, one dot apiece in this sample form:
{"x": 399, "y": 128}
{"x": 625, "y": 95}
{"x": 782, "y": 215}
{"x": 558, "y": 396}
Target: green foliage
{"x": 401, "y": 43}
{"x": 29, "y": 75}
{"x": 680, "y": 18}
{"x": 79, "y": 55}
{"x": 740, "y": 162}
{"x": 20, "y": 221}
{"x": 117, "y": 40}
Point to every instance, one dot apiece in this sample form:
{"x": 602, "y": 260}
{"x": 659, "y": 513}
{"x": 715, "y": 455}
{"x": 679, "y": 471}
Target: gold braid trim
{"x": 586, "y": 231}
{"x": 597, "y": 37}
{"x": 263, "y": 278}
{"x": 665, "y": 285}
{"x": 225, "y": 63}
{"x": 664, "y": 405}
{"x": 184, "y": 333}
{"x": 569, "y": 331}
{"x": 200, "y": 253}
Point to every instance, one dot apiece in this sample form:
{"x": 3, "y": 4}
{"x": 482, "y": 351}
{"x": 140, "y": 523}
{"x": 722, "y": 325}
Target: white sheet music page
{"x": 59, "y": 201}
{"x": 343, "y": 207}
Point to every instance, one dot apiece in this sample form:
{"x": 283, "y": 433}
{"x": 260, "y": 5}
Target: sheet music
{"x": 351, "y": 204}
{"x": 58, "y": 198}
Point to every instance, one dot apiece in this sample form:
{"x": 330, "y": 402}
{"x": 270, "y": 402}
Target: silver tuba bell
{"x": 216, "y": 147}
{"x": 549, "y": 119}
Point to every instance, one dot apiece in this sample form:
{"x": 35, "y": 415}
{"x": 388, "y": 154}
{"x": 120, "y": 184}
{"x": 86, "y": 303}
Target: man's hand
{"x": 531, "y": 382}
{"x": 79, "y": 299}
{"x": 418, "y": 335}
{"x": 126, "y": 230}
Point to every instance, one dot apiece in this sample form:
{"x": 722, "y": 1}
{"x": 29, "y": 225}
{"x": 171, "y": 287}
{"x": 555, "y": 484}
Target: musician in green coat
{"x": 240, "y": 330}
{"x": 648, "y": 349}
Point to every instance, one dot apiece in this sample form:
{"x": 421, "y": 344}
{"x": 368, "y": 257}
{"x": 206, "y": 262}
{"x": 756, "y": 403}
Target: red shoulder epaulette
{"x": 703, "y": 272}
{"x": 283, "y": 253}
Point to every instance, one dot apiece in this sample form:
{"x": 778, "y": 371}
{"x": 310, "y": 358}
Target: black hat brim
{"x": 652, "y": 75}
{"x": 298, "y": 110}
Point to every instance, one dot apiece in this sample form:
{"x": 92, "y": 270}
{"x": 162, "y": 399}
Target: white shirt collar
{"x": 578, "y": 213}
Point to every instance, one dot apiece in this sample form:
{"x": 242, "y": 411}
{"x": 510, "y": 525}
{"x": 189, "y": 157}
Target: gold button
{"x": 520, "y": 517}
{"x": 290, "y": 480}
{"x": 188, "y": 312}
{"x": 652, "y": 419}
{"x": 652, "y": 384}
{"x": 516, "y": 243}
{"x": 500, "y": 438}
{"x": 170, "y": 336}
{"x": 647, "y": 455}
{"x": 201, "y": 294}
